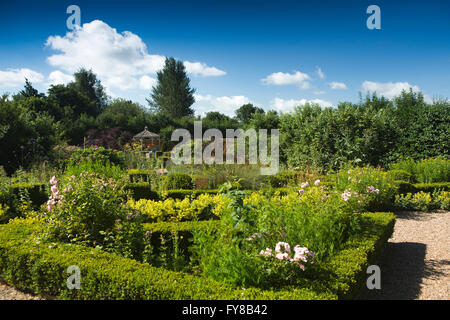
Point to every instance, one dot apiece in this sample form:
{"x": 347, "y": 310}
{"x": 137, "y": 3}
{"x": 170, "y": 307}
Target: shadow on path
{"x": 402, "y": 268}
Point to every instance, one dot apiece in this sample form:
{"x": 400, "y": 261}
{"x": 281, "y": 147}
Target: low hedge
{"x": 36, "y": 191}
{"x": 178, "y": 180}
{"x": 141, "y": 190}
{"x": 182, "y": 230}
{"x": 402, "y": 175}
{"x": 139, "y": 175}
{"x": 11, "y": 196}
{"x": 182, "y": 193}
{"x": 406, "y": 187}
{"x": 431, "y": 187}
{"x": 29, "y": 264}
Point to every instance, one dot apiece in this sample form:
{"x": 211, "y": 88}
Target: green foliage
{"x": 141, "y": 190}
{"x": 246, "y": 112}
{"x": 318, "y": 220}
{"x": 178, "y": 180}
{"x": 13, "y": 196}
{"x": 140, "y": 175}
{"x": 181, "y": 194}
{"x": 428, "y": 170}
{"x": 173, "y": 95}
{"x": 97, "y": 154}
{"x": 423, "y": 201}
{"x": 43, "y": 269}
{"x": 325, "y": 138}
{"x": 122, "y": 113}
{"x": 376, "y": 132}
{"x": 94, "y": 166}
{"x": 401, "y": 175}
{"x": 26, "y": 136}
{"x": 377, "y": 187}
{"x": 202, "y": 208}
{"x": 87, "y": 206}
{"x": 432, "y": 187}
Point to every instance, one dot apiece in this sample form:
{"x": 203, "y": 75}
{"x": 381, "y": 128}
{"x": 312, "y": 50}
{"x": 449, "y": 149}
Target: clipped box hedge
{"x": 431, "y": 187}
{"x": 28, "y": 264}
{"x": 183, "y": 193}
{"x": 138, "y": 175}
{"x": 141, "y": 190}
{"x": 406, "y": 187}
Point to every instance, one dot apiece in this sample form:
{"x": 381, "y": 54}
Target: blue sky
{"x": 275, "y": 54}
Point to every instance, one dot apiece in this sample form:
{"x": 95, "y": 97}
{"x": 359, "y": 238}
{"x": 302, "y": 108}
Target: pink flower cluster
{"x": 56, "y": 196}
{"x": 347, "y": 194}
{"x": 371, "y": 189}
{"x": 283, "y": 251}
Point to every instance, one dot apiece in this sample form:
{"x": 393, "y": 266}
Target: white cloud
{"x": 280, "y": 79}
{"x": 120, "y": 60}
{"x": 58, "y": 77}
{"x": 201, "y": 69}
{"x": 337, "y": 85}
{"x": 226, "y": 104}
{"x": 147, "y": 83}
{"x": 16, "y": 77}
{"x": 320, "y": 73}
{"x": 391, "y": 89}
{"x": 319, "y": 92}
{"x": 288, "y": 105}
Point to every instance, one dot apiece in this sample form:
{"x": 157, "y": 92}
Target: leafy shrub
{"x": 402, "y": 175}
{"x": 202, "y": 208}
{"x": 15, "y": 195}
{"x": 94, "y": 166}
{"x": 423, "y": 201}
{"x": 178, "y": 180}
{"x": 181, "y": 194}
{"x": 432, "y": 187}
{"x": 442, "y": 198}
{"x": 419, "y": 201}
{"x": 377, "y": 185}
{"x": 429, "y": 170}
{"x": 42, "y": 268}
{"x": 140, "y": 175}
{"x": 141, "y": 190}
{"x": 315, "y": 219}
{"x": 89, "y": 210}
{"x": 100, "y": 154}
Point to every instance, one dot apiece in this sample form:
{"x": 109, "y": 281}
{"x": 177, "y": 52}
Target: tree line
{"x": 374, "y": 131}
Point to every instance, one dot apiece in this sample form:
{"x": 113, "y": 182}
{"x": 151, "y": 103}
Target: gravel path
{"x": 11, "y": 293}
{"x": 416, "y": 261}
{"x": 414, "y": 265}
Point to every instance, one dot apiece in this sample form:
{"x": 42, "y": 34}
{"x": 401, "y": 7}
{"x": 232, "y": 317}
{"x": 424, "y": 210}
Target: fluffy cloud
{"x": 390, "y": 89}
{"x": 147, "y": 83}
{"x": 16, "y": 77}
{"x": 320, "y": 73}
{"x": 337, "y": 85}
{"x": 201, "y": 69}
{"x": 225, "y": 104}
{"x": 288, "y": 105}
{"x": 58, "y": 77}
{"x": 280, "y": 79}
{"x": 119, "y": 59}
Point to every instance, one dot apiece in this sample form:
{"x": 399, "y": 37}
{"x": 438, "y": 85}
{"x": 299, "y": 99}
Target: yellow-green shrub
{"x": 204, "y": 207}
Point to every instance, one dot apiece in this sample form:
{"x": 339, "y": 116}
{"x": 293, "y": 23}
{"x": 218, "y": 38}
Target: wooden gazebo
{"x": 149, "y": 140}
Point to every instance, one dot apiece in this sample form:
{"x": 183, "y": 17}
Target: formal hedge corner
{"x": 29, "y": 264}
{"x": 141, "y": 190}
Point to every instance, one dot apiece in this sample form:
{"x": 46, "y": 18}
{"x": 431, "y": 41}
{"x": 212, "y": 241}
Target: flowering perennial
{"x": 283, "y": 251}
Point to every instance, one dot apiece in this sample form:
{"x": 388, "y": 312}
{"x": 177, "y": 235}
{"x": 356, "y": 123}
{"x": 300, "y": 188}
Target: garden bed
{"x": 42, "y": 268}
